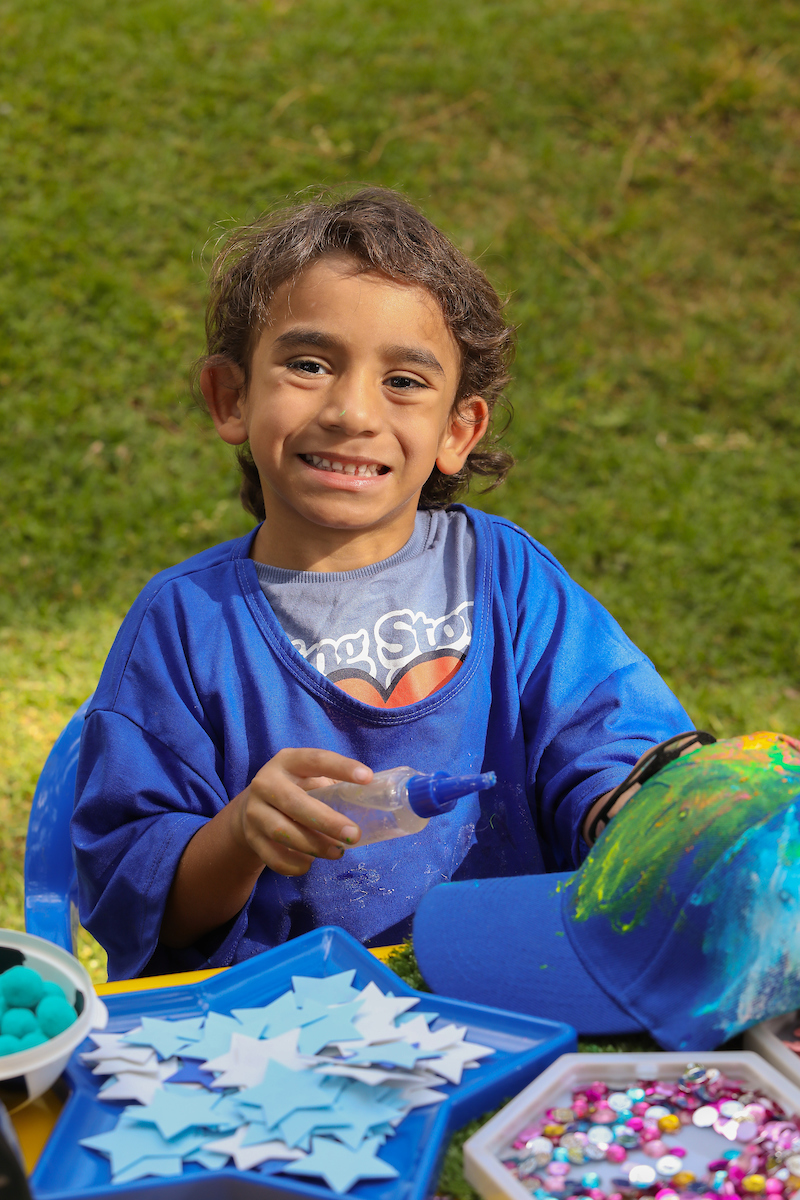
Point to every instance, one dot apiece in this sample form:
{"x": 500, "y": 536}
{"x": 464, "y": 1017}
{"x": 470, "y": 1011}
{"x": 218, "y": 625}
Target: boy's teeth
{"x": 327, "y": 464}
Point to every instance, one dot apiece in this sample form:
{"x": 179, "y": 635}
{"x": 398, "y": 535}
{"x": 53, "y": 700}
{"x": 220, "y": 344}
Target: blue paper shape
{"x": 390, "y": 1054}
{"x": 258, "y": 1132}
{"x": 191, "y": 1073}
{"x": 216, "y": 1038}
{"x": 336, "y": 1026}
{"x": 341, "y": 1167}
{"x": 328, "y": 989}
{"x": 165, "y": 1167}
{"x": 298, "y": 1127}
{"x": 282, "y": 1091}
{"x": 163, "y": 1036}
{"x": 283, "y": 1014}
{"x": 129, "y": 1142}
{"x": 208, "y": 1159}
{"x": 175, "y": 1109}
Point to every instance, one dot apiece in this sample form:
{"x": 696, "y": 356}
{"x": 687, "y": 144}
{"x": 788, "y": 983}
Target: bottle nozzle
{"x": 429, "y": 795}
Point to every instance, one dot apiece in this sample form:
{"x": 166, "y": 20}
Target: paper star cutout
{"x": 165, "y": 1167}
{"x": 394, "y": 1054}
{"x": 131, "y": 1087}
{"x": 282, "y": 1091}
{"x": 439, "y": 1039}
{"x": 330, "y": 989}
{"x": 373, "y": 1076}
{"x": 336, "y": 1026}
{"x": 111, "y": 1046}
{"x": 208, "y": 1159}
{"x": 298, "y": 1127}
{"x": 215, "y": 1038}
{"x": 130, "y": 1142}
{"x": 278, "y": 1017}
{"x": 451, "y": 1065}
{"x": 176, "y": 1109}
{"x": 341, "y": 1167}
{"x": 362, "y": 1108}
{"x": 247, "y": 1157}
{"x": 376, "y": 1021}
{"x": 113, "y": 1066}
{"x": 246, "y": 1061}
{"x": 421, "y": 1097}
{"x": 190, "y": 1072}
{"x": 161, "y": 1035}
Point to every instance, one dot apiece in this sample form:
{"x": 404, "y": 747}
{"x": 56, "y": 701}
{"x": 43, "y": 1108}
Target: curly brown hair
{"x": 384, "y": 232}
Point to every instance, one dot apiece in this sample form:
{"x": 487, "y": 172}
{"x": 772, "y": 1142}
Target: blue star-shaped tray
{"x": 523, "y": 1047}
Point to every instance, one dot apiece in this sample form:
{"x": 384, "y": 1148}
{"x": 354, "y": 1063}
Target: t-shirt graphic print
{"x": 394, "y": 632}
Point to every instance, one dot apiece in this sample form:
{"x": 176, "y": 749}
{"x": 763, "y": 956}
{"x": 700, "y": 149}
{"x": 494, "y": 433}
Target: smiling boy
{"x": 355, "y": 356}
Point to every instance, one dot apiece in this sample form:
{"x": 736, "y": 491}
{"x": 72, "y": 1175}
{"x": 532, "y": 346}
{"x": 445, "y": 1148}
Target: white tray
{"x": 485, "y": 1171}
{"x": 766, "y": 1039}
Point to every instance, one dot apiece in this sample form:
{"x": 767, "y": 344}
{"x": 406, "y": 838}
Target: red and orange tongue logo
{"x": 420, "y": 679}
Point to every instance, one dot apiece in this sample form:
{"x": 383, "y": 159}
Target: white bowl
{"x": 29, "y": 1073}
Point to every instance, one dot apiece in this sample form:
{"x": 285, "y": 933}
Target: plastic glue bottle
{"x": 399, "y": 801}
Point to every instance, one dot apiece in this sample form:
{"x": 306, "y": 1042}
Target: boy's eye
{"x": 402, "y": 382}
{"x": 308, "y": 366}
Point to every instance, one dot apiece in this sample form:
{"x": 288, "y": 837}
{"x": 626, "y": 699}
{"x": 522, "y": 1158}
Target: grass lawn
{"x": 626, "y": 170}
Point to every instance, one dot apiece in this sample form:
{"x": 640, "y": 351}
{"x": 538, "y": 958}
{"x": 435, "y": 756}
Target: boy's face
{"x": 349, "y": 407}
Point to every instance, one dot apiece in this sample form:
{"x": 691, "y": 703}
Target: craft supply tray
{"x": 769, "y": 1040}
{"x": 523, "y": 1047}
{"x": 484, "y": 1169}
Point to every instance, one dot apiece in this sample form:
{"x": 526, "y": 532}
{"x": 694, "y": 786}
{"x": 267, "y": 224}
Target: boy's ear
{"x": 466, "y": 426}
{"x": 222, "y": 385}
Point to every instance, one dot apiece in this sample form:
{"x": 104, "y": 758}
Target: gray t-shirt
{"x": 394, "y": 632}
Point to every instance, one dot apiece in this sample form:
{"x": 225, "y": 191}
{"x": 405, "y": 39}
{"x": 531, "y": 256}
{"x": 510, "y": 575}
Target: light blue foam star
{"x": 129, "y": 1142}
{"x": 165, "y": 1167}
{"x": 216, "y": 1039}
{"x": 175, "y": 1109}
{"x": 298, "y": 1127}
{"x": 341, "y": 1167}
{"x": 330, "y": 989}
{"x": 164, "y": 1036}
{"x": 281, "y": 1015}
{"x": 393, "y": 1054}
{"x": 336, "y": 1026}
{"x": 282, "y": 1091}
{"x": 208, "y": 1159}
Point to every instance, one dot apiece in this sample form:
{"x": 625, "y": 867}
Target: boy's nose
{"x": 353, "y": 406}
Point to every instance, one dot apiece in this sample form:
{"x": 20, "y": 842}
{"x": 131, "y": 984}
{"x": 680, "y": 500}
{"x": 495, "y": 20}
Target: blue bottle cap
{"x": 430, "y": 795}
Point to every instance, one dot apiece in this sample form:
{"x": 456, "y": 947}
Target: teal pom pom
{"x": 16, "y": 1022}
{"x": 22, "y": 987}
{"x": 55, "y": 1015}
{"x": 9, "y": 1044}
{"x": 51, "y": 988}
{"x": 34, "y": 1038}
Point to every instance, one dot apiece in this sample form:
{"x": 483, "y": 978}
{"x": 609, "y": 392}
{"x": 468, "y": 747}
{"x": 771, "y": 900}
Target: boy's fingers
{"x": 283, "y": 860}
{"x": 307, "y": 762}
{"x": 276, "y": 824}
{"x": 285, "y": 798}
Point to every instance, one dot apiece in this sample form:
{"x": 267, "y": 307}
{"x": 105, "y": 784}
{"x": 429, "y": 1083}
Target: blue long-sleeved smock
{"x": 202, "y": 687}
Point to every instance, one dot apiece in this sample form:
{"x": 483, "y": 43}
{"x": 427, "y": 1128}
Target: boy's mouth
{"x": 360, "y": 470}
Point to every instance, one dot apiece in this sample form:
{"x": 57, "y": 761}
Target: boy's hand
{"x": 284, "y": 826}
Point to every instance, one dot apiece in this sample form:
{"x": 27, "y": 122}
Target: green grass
{"x": 626, "y": 170}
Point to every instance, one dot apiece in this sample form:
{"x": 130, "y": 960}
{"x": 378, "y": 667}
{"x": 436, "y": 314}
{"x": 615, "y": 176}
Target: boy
{"x": 364, "y": 623}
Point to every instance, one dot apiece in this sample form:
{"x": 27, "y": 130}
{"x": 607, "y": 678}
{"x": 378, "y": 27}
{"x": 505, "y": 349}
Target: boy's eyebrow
{"x": 325, "y": 341}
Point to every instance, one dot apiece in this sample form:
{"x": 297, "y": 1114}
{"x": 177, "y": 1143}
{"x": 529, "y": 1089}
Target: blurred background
{"x": 625, "y": 170}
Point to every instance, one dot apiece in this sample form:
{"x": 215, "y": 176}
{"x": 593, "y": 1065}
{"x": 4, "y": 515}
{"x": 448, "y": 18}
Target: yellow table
{"x": 34, "y": 1121}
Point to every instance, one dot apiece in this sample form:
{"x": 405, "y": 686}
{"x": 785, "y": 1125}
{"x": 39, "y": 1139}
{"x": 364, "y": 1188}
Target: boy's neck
{"x": 330, "y": 549}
